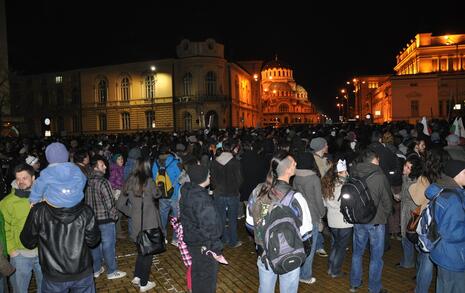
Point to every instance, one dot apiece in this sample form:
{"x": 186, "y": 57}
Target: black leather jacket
{"x": 64, "y": 237}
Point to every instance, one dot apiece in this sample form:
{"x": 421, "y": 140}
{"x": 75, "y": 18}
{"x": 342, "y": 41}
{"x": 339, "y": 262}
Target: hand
{"x": 14, "y": 253}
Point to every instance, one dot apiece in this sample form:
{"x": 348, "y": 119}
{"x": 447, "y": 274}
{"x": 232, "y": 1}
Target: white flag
{"x": 425, "y": 126}
{"x": 461, "y": 128}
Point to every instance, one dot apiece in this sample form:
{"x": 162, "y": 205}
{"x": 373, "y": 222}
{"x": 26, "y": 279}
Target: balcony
{"x": 199, "y": 99}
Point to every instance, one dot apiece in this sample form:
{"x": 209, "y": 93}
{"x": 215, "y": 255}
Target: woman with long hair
{"x": 341, "y": 231}
{"x": 141, "y": 187}
{"x": 275, "y": 188}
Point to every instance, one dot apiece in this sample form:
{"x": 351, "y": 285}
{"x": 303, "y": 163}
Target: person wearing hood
{"x": 449, "y": 215}
{"x": 61, "y": 179}
{"x": 116, "y": 181}
{"x": 15, "y": 208}
{"x": 307, "y": 181}
{"x": 63, "y": 229}
{"x": 227, "y": 179}
{"x": 133, "y": 155}
{"x": 374, "y": 231}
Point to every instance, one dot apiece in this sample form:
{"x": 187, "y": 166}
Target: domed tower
{"x": 283, "y": 101}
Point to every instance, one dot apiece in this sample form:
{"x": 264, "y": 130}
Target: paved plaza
{"x": 241, "y": 273}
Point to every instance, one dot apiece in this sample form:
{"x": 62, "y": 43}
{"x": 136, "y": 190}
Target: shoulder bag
{"x": 149, "y": 241}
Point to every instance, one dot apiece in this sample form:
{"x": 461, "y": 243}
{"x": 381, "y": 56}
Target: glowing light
{"x": 153, "y": 68}
{"x": 377, "y": 113}
{"x": 346, "y": 196}
{"x": 357, "y": 116}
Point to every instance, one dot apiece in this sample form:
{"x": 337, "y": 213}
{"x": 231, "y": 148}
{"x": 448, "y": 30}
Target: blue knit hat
{"x": 115, "y": 157}
{"x": 56, "y": 153}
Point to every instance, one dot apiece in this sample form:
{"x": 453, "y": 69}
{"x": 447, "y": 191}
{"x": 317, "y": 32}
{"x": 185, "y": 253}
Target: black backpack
{"x": 282, "y": 242}
{"x": 357, "y": 205}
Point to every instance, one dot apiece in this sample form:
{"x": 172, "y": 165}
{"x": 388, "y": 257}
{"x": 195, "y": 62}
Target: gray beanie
{"x": 318, "y": 143}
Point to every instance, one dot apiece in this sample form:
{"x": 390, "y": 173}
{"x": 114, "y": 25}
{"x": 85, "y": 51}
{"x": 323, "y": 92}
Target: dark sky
{"x": 326, "y": 42}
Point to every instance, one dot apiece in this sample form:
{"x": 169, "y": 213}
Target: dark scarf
{"x": 22, "y": 193}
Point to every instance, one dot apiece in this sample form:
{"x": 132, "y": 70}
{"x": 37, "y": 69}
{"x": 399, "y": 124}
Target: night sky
{"x": 326, "y": 42}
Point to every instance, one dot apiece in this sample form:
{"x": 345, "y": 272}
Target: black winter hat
{"x": 305, "y": 161}
{"x": 197, "y": 173}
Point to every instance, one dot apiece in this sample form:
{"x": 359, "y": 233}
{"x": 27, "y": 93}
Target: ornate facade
{"x": 429, "y": 81}
{"x": 198, "y": 89}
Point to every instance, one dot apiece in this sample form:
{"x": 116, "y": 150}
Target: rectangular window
{"x": 440, "y": 108}
{"x": 58, "y": 79}
{"x": 126, "y": 120}
{"x": 76, "y": 123}
{"x": 102, "y": 122}
{"x": 414, "y": 108}
{"x": 149, "y": 118}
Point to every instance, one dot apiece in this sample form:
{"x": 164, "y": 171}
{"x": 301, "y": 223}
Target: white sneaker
{"x": 174, "y": 243}
{"x": 136, "y": 281}
{"x": 147, "y": 287}
{"x": 97, "y": 274}
{"x": 312, "y": 280}
{"x": 116, "y": 275}
{"x": 321, "y": 252}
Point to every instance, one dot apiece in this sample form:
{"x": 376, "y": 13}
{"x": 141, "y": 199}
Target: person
{"x": 307, "y": 182}
{"x": 202, "y": 229}
{"x": 374, "y": 231}
{"x": 99, "y": 196}
{"x": 456, "y": 151}
{"x": 227, "y": 180}
{"x": 82, "y": 160}
{"x": 449, "y": 215}
{"x": 64, "y": 230}
{"x": 319, "y": 145}
{"x": 140, "y": 187}
{"x": 116, "y": 180}
{"x": 61, "y": 179}
{"x": 15, "y": 208}
{"x": 340, "y": 230}
{"x": 282, "y": 168}
{"x": 173, "y": 171}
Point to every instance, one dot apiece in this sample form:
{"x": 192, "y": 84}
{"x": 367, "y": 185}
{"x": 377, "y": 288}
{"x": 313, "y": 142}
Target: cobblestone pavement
{"x": 241, "y": 274}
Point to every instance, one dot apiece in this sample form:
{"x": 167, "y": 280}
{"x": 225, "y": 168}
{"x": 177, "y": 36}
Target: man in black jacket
{"x": 64, "y": 237}
{"x": 202, "y": 229}
{"x": 226, "y": 180}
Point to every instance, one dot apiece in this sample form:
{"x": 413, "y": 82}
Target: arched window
{"x": 150, "y": 119}
{"x": 286, "y": 120}
{"x": 283, "y": 108}
{"x": 150, "y": 87}
{"x": 102, "y": 91}
{"x": 187, "y": 121}
{"x": 187, "y": 81}
{"x": 125, "y": 89}
{"x": 236, "y": 88}
{"x": 210, "y": 83}
{"x": 125, "y": 120}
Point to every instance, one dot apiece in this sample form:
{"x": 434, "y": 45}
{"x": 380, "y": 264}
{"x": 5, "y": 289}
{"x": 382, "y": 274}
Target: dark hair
{"x": 226, "y": 145}
{"x": 24, "y": 167}
{"x": 95, "y": 159}
{"x": 272, "y": 176}
{"x": 329, "y": 181}
{"x": 366, "y": 156}
{"x": 418, "y": 167}
{"x": 434, "y": 165}
{"x": 80, "y": 155}
{"x": 142, "y": 173}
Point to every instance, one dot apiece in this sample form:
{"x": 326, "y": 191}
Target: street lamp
{"x": 152, "y": 94}
{"x": 458, "y": 67}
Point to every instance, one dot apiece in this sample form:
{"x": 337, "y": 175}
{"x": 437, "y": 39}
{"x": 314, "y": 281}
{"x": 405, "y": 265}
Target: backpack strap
{"x": 287, "y": 201}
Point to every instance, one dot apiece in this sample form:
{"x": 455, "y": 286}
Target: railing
{"x": 199, "y": 99}
{"x": 131, "y": 102}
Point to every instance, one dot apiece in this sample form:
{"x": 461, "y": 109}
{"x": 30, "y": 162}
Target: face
{"x": 325, "y": 149}
{"x": 292, "y": 166}
{"x": 100, "y": 166}
{"x": 343, "y": 174}
{"x": 120, "y": 161}
{"x": 460, "y": 178}
{"x": 24, "y": 180}
{"x": 86, "y": 160}
{"x": 421, "y": 147}
{"x": 36, "y": 166}
{"x": 407, "y": 168}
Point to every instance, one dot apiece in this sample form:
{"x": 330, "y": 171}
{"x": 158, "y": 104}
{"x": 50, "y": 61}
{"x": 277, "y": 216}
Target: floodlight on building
{"x": 153, "y": 68}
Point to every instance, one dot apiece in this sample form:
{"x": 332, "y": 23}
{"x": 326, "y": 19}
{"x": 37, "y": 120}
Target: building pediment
{"x": 414, "y": 95}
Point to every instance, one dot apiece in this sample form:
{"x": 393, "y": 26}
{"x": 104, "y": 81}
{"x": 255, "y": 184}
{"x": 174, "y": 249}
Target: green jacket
{"x": 15, "y": 211}
{"x": 2, "y": 236}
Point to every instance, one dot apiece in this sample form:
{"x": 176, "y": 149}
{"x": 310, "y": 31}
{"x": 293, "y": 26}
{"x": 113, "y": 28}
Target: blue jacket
{"x": 61, "y": 184}
{"x": 449, "y": 252}
{"x": 173, "y": 172}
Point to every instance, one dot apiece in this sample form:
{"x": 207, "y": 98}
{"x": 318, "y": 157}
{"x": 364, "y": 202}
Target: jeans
{"x": 320, "y": 241}
{"x": 166, "y": 206}
{"x": 204, "y": 271}
{"x": 3, "y": 284}
{"x": 84, "y": 285}
{"x": 341, "y": 238}
{"x": 106, "y": 249}
{"x": 142, "y": 268}
{"x": 232, "y": 204}
{"x": 408, "y": 254}
{"x": 22, "y": 277}
{"x": 306, "y": 270}
{"x": 450, "y": 282}
{"x": 424, "y": 272}
{"x": 288, "y": 283}
{"x": 375, "y": 234}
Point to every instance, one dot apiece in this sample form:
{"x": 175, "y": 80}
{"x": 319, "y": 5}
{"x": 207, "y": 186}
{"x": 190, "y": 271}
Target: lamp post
{"x": 450, "y": 42}
{"x": 152, "y": 94}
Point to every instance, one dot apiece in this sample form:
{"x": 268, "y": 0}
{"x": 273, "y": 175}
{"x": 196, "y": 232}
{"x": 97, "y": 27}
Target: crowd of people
{"x": 61, "y": 216}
